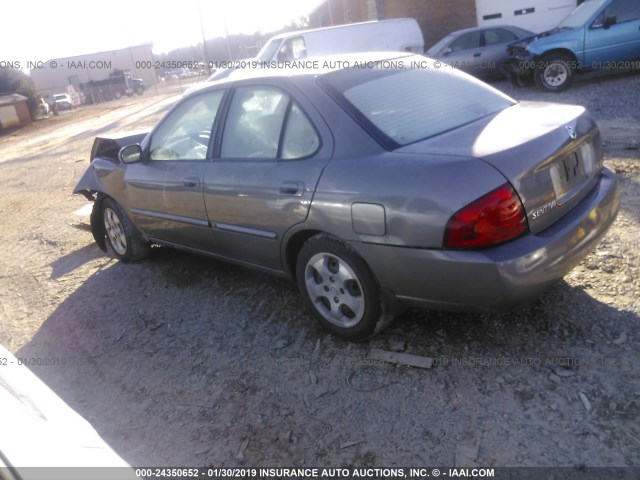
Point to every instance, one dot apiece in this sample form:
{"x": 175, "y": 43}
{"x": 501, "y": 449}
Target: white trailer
{"x": 535, "y": 15}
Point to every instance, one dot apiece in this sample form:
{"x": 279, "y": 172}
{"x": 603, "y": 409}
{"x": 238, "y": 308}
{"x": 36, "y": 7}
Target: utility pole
{"x": 205, "y": 53}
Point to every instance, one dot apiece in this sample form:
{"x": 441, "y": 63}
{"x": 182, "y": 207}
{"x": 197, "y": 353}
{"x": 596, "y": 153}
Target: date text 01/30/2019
{"x": 300, "y": 473}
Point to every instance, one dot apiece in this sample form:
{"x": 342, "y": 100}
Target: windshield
{"x": 582, "y": 14}
{"x": 406, "y": 105}
{"x": 269, "y": 50}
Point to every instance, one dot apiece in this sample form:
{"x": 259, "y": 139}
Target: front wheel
{"x": 556, "y": 72}
{"x": 340, "y": 289}
{"x": 124, "y": 240}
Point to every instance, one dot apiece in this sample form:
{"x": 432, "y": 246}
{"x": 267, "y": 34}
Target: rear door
{"x": 494, "y": 52}
{"x": 618, "y": 42}
{"x": 271, "y": 153}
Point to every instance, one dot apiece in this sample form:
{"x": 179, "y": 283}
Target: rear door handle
{"x": 477, "y": 54}
{"x": 191, "y": 182}
{"x": 292, "y": 188}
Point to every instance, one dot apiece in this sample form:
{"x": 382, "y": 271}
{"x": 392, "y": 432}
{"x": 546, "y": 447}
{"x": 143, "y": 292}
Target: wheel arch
{"x": 559, "y": 51}
{"x": 97, "y": 225}
{"x": 297, "y": 239}
{"x": 292, "y": 248}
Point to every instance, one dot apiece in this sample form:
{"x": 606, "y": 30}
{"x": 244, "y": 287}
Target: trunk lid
{"x": 550, "y": 154}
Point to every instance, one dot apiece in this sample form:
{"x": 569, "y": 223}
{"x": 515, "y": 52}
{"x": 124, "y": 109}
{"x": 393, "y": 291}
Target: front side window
{"x": 185, "y": 133}
{"x": 264, "y": 122}
{"x": 497, "y": 36}
{"x": 467, "y": 41}
{"x": 293, "y": 49}
{"x": 624, "y": 10}
{"x": 403, "y": 106}
{"x": 581, "y": 14}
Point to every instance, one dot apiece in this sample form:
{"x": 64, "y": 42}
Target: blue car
{"x": 598, "y": 34}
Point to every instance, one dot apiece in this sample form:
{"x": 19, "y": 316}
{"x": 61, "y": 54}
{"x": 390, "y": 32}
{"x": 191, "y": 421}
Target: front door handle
{"x": 191, "y": 182}
{"x": 477, "y": 54}
{"x": 292, "y": 188}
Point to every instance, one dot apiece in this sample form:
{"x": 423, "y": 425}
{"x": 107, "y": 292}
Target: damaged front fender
{"x": 103, "y": 178}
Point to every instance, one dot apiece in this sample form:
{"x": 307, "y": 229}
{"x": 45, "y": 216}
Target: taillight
{"x": 492, "y": 219}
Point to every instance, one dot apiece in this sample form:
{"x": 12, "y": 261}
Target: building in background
{"x": 436, "y": 17}
{"x": 14, "y": 111}
{"x": 535, "y": 15}
{"x": 55, "y": 76}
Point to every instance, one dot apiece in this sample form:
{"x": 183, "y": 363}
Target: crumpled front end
{"x": 104, "y": 177}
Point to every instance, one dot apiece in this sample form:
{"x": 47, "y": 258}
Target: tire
{"x": 340, "y": 289}
{"x": 117, "y": 94}
{"x": 139, "y": 90}
{"x": 123, "y": 240}
{"x": 556, "y": 73}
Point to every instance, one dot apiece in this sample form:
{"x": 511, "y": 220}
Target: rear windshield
{"x": 403, "y": 106}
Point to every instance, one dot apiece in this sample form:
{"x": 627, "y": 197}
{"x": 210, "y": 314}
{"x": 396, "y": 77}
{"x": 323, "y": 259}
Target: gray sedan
{"x": 369, "y": 190}
{"x": 479, "y": 51}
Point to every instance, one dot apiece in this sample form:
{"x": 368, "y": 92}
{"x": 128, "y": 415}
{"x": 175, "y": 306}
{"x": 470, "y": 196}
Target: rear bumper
{"x": 500, "y": 278}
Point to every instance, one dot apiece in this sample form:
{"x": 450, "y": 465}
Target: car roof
{"x": 486, "y": 27}
{"x": 314, "y": 66}
{"x": 298, "y": 33}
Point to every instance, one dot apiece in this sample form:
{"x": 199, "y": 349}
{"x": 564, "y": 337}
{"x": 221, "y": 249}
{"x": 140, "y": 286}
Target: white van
{"x": 398, "y": 34}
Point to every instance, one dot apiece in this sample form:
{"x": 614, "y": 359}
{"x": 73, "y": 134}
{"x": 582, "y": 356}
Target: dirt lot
{"x": 185, "y": 361}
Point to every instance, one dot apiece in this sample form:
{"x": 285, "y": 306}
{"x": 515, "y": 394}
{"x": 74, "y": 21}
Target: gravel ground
{"x": 185, "y": 361}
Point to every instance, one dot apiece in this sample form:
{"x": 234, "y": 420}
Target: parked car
{"x": 62, "y": 101}
{"x": 395, "y": 184}
{"x": 598, "y": 34}
{"x": 41, "y": 433}
{"x": 478, "y": 51}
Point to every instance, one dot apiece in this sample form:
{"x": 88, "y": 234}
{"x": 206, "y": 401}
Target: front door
{"x": 165, "y": 190}
{"x": 619, "y": 42}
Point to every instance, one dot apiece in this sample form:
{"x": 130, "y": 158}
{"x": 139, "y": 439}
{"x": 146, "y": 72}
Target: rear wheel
{"x": 123, "y": 240}
{"x": 556, "y": 72}
{"x": 340, "y": 289}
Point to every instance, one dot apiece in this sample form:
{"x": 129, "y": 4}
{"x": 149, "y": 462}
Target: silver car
{"x": 479, "y": 51}
{"x": 373, "y": 192}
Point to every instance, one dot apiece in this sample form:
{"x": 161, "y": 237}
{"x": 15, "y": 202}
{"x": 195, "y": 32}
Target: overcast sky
{"x": 39, "y": 30}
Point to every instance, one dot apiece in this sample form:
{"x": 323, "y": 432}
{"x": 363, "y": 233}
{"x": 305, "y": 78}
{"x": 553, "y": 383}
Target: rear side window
{"x": 403, "y": 106}
{"x": 300, "y": 139}
{"x": 254, "y": 122}
{"x": 264, "y": 122}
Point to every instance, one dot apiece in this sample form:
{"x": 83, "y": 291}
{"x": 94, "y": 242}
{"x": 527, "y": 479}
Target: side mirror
{"x": 447, "y": 51}
{"x": 130, "y": 154}
{"x": 608, "y": 21}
